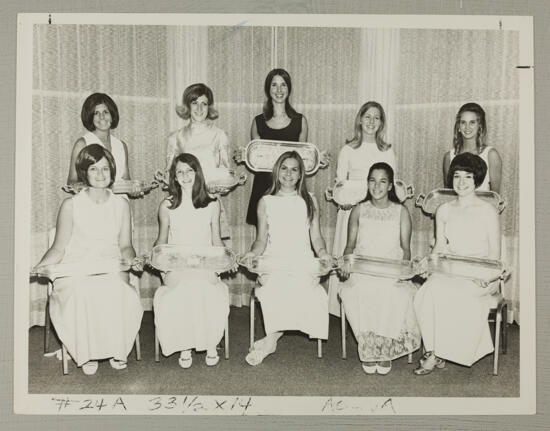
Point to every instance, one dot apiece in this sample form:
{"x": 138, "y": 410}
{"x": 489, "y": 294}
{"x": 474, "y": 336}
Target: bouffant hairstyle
{"x": 88, "y": 110}
{"x": 90, "y": 155}
{"x": 471, "y": 163}
{"x": 192, "y": 93}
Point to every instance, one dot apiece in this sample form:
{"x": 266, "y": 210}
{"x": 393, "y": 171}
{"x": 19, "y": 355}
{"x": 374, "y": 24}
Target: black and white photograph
{"x": 274, "y": 215}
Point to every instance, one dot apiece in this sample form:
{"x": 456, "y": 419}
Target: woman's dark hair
{"x": 471, "y": 163}
{"x": 88, "y": 110}
{"x": 199, "y": 194}
{"x": 301, "y": 187}
{"x": 268, "y": 105}
{"x": 392, "y": 196}
{"x": 481, "y": 133}
{"x": 192, "y": 93}
{"x": 90, "y": 155}
{"x": 355, "y": 141}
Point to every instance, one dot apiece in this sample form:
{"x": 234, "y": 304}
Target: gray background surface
{"x": 540, "y": 9}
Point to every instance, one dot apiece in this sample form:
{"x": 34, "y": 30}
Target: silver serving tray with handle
{"x": 484, "y": 271}
{"x": 171, "y": 257}
{"x": 351, "y": 192}
{"x": 431, "y": 201}
{"x": 83, "y": 268}
{"x": 266, "y": 264}
{"x": 118, "y": 187}
{"x": 221, "y": 182}
{"x": 260, "y": 155}
{"x": 378, "y": 266}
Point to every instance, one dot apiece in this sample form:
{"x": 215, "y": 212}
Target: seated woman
{"x": 191, "y": 308}
{"x": 466, "y": 226}
{"x": 380, "y": 310}
{"x": 288, "y": 227}
{"x": 95, "y": 317}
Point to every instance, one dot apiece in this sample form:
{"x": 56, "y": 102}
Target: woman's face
{"x": 102, "y": 118}
{"x": 278, "y": 89}
{"x": 289, "y": 174}
{"x": 99, "y": 174}
{"x": 199, "y": 109}
{"x": 379, "y": 184}
{"x": 371, "y": 121}
{"x": 463, "y": 183}
{"x": 185, "y": 176}
{"x": 468, "y": 125}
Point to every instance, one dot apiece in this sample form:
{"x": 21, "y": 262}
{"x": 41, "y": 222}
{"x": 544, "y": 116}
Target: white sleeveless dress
{"x": 291, "y": 301}
{"x": 192, "y": 306}
{"x": 353, "y": 164}
{"x": 96, "y": 317}
{"x": 380, "y": 310}
{"x": 117, "y": 150}
{"x": 451, "y": 312}
{"x": 486, "y": 184}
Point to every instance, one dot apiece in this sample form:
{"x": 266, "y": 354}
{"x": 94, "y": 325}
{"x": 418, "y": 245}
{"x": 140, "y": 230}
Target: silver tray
{"x": 380, "y": 267}
{"x": 351, "y": 192}
{"x": 118, "y": 187}
{"x": 266, "y": 264}
{"x": 260, "y": 155}
{"x": 482, "y": 270}
{"x": 223, "y": 182}
{"x": 433, "y": 199}
{"x": 75, "y": 269}
{"x": 170, "y": 257}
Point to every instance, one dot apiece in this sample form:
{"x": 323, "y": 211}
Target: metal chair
{"x": 253, "y": 300}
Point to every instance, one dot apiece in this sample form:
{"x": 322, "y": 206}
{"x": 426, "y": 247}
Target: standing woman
{"x": 279, "y": 121}
{"x": 470, "y": 132}
{"x": 354, "y": 161}
{"x": 99, "y": 116}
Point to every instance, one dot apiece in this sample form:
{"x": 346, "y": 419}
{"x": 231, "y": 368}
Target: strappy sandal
{"x": 90, "y": 368}
{"x": 185, "y": 360}
{"x": 116, "y": 364}
{"x": 257, "y": 354}
{"x": 427, "y": 364}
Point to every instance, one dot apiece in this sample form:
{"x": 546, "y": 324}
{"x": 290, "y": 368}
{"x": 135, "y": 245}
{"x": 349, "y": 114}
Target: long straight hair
{"x": 458, "y": 140}
{"x": 301, "y": 187}
{"x": 392, "y": 196}
{"x": 199, "y": 194}
{"x": 355, "y": 141}
{"x": 268, "y": 105}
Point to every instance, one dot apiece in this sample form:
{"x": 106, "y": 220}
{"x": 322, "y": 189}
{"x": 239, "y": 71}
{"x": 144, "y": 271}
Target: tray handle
{"x": 420, "y": 200}
{"x": 501, "y": 204}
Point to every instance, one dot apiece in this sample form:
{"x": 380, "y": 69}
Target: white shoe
{"x": 185, "y": 360}
{"x": 116, "y": 364}
{"x": 369, "y": 368}
{"x": 90, "y": 368}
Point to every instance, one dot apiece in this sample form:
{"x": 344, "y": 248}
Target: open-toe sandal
{"x": 427, "y": 364}
{"x": 256, "y": 356}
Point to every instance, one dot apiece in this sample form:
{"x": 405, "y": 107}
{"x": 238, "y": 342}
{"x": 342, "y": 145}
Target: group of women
{"x": 97, "y": 317}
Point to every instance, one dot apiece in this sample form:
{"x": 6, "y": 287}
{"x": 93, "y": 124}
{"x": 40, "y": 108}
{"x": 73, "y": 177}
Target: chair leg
{"x": 138, "y": 348}
{"x": 226, "y": 339}
{"x": 319, "y": 348}
{"x": 343, "y": 329}
{"x": 252, "y": 309}
{"x": 64, "y": 357}
{"x": 498, "y": 321}
{"x": 157, "y": 348}
{"x": 504, "y": 330}
{"x": 47, "y": 327}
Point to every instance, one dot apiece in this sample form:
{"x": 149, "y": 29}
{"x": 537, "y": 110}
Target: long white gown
{"x": 380, "y": 310}
{"x": 452, "y": 312}
{"x": 96, "y": 317}
{"x": 353, "y": 164}
{"x": 192, "y": 306}
{"x": 291, "y": 301}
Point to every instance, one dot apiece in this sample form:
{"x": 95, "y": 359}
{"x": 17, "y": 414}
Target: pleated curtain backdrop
{"x": 421, "y": 77}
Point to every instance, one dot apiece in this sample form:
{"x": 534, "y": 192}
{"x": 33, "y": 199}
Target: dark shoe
{"x": 427, "y": 364}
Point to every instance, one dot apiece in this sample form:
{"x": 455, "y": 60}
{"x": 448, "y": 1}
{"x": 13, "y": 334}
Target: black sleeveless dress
{"x": 262, "y": 180}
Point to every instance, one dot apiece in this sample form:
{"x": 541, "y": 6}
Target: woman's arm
{"x": 353, "y": 228}
{"x": 63, "y": 232}
{"x": 446, "y": 164}
{"x": 495, "y": 169}
{"x": 164, "y": 223}
{"x": 304, "y": 132}
{"x": 260, "y": 243}
{"x": 440, "y": 221}
{"x": 126, "y": 173}
{"x": 171, "y": 149}
{"x": 405, "y": 232}
{"x": 125, "y": 235}
{"x": 342, "y": 166}
{"x": 317, "y": 240}
{"x": 223, "y": 147}
{"x": 493, "y": 232}
{"x": 215, "y": 224}
{"x": 254, "y": 130}
{"x": 78, "y": 145}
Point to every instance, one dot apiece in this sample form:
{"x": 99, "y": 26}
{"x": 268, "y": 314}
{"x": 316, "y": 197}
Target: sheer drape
{"x": 420, "y": 76}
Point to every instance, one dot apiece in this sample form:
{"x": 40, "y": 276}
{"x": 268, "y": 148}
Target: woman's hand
{"x": 325, "y": 159}
{"x": 138, "y": 263}
{"x": 238, "y": 156}
{"x": 344, "y": 271}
